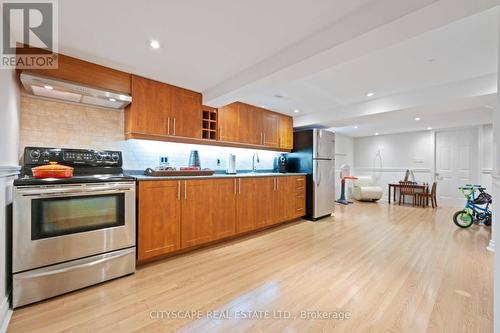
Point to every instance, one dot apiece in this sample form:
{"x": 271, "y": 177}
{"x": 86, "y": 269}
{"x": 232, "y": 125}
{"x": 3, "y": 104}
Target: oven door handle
{"x": 87, "y": 264}
{"x": 72, "y": 193}
{"x": 75, "y": 190}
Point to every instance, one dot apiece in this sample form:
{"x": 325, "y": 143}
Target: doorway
{"x": 457, "y": 163}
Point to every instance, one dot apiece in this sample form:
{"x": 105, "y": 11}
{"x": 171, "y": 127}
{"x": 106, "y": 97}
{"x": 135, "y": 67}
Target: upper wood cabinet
{"x": 251, "y": 125}
{"x": 160, "y": 109}
{"x": 286, "y": 132}
{"x": 87, "y": 73}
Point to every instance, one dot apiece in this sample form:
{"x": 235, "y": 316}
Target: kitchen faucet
{"x": 255, "y": 158}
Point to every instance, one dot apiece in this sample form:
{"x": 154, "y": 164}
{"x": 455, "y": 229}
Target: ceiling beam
{"x": 455, "y": 94}
{"x": 373, "y": 27}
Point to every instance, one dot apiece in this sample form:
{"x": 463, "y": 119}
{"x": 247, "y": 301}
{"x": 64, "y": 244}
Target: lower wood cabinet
{"x": 159, "y": 218}
{"x": 178, "y": 214}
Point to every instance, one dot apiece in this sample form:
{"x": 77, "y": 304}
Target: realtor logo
{"x": 29, "y": 34}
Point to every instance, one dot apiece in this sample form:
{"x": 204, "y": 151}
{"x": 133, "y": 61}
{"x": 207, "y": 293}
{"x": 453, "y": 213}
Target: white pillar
{"x": 496, "y": 208}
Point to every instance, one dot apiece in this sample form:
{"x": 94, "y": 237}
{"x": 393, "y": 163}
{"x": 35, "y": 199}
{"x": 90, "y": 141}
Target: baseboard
{"x": 5, "y": 314}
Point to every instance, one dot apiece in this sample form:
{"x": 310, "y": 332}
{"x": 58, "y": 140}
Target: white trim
{"x": 491, "y": 245}
{"x": 5, "y": 313}
{"x": 486, "y": 171}
{"x": 9, "y": 170}
{"x": 415, "y": 170}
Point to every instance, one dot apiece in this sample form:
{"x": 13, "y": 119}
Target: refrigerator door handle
{"x": 319, "y": 174}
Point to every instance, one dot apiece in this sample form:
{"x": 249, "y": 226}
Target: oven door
{"x": 53, "y": 224}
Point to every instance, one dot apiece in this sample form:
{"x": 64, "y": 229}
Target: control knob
{"x": 98, "y": 156}
{"x": 35, "y": 154}
{"x": 46, "y": 154}
{"x": 115, "y": 157}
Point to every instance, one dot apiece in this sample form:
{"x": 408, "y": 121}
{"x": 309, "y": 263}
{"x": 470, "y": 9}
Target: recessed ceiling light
{"x": 296, "y": 111}
{"x": 355, "y": 126}
{"x": 376, "y": 133}
{"x": 431, "y": 60}
{"x": 112, "y": 100}
{"x": 154, "y": 44}
{"x": 370, "y": 94}
{"x": 429, "y": 128}
{"x": 417, "y": 118}
{"x": 48, "y": 87}
{"x": 278, "y": 96}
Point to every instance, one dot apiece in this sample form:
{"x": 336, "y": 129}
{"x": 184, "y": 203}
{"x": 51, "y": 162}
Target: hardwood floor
{"x": 393, "y": 269}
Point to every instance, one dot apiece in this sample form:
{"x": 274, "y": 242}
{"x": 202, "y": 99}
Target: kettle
{"x": 231, "y": 164}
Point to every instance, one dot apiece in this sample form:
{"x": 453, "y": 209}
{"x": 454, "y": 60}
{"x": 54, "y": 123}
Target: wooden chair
{"x": 423, "y": 198}
{"x": 407, "y": 189}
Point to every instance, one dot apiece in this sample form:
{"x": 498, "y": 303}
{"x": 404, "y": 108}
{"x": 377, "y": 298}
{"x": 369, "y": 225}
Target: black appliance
{"x": 90, "y": 166}
{"x": 280, "y": 163}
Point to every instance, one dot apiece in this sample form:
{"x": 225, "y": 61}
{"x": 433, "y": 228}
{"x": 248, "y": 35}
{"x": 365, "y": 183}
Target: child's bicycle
{"x": 473, "y": 212}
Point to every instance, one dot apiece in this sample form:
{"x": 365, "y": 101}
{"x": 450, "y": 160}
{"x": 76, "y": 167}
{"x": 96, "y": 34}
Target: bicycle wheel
{"x": 463, "y": 219}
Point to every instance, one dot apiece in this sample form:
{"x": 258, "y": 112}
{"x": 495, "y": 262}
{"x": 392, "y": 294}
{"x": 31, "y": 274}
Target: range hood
{"x": 73, "y": 92}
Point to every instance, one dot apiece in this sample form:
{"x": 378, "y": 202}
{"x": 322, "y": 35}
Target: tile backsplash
{"x": 63, "y": 125}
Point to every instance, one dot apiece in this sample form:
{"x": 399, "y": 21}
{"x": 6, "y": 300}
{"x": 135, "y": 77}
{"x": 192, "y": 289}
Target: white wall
{"x": 344, "y": 154}
{"x": 9, "y": 141}
{"x": 386, "y": 157}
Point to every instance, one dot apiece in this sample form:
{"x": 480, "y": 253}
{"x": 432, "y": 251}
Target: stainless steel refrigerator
{"x": 314, "y": 154}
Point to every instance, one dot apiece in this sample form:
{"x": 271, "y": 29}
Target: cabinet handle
{"x": 185, "y": 190}
{"x": 274, "y": 183}
{"x": 168, "y": 125}
{"x": 239, "y": 185}
{"x": 174, "y": 125}
{"x": 264, "y": 140}
{"x": 179, "y": 190}
{"x": 277, "y": 184}
{"x": 260, "y": 137}
{"x": 220, "y": 133}
{"x": 235, "y": 186}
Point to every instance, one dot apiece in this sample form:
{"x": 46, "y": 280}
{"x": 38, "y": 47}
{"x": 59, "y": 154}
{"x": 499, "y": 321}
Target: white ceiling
{"x": 202, "y": 42}
{"x": 436, "y": 59}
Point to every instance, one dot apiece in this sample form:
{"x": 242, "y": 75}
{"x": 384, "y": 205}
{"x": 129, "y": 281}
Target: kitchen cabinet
{"x": 285, "y": 132}
{"x": 151, "y": 110}
{"x": 247, "y": 204}
{"x": 270, "y": 129}
{"x": 251, "y": 125}
{"x": 160, "y": 110}
{"x": 180, "y": 214}
{"x": 229, "y": 123}
{"x": 84, "y": 72}
{"x": 187, "y": 113}
{"x": 223, "y": 208}
{"x": 197, "y": 202}
{"x": 159, "y": 218}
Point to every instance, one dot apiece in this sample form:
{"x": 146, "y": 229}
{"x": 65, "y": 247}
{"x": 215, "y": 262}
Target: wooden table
{"x": 397, "y": 185}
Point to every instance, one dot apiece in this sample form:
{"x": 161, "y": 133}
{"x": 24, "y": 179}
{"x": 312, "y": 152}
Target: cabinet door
{"x": 270, "y": 129}
{"x": 150, "y": 109}
{"x": 284, "y": 199}
{"x": 266, "y": 196}
{"x": 299, "y": 207}
{"x": 229, "y": 123}
{"x": 197, "y": 200}
{"x": 187, "y": 114}
{"x": 223, "y": 208}
{"x": 247, "y": 204}
{"x": 286, "y": 132}
{"x": 251, "y": 129}
{"x": 159, "y": 218}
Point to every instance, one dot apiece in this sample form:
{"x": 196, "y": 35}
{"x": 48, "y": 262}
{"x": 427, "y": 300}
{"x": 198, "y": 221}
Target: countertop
{"x": 219, "y": 175}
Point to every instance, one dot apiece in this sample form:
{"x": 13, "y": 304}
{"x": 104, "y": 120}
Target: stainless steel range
{"x": 74, "y": 232}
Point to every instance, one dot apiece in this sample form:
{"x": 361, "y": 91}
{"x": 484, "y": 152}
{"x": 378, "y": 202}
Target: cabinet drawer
{"x": 300, "y": 205}
{"x": 300, "y": 184}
